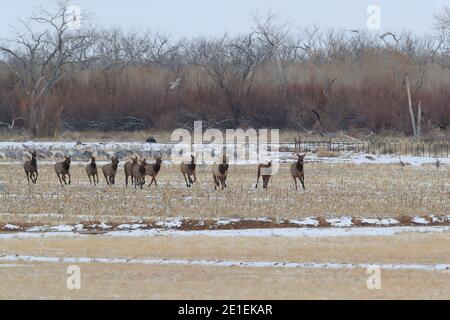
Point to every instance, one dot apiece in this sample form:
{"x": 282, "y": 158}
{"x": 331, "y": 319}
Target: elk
{"x": 153, "y": 169}
{"x": 265, "y": 171}
{"x": 110, "y": 171}
{"x": 188, "y": 170}
{"x": 128, "y": 166}
{"x": 138, "y": 174}
{"x": 297, "y": 171}
{"x": 91, "y": 170}
{"x": 220, "y": 172}
{"x": 62, "y": 169}
{"x": 30, "y": 167}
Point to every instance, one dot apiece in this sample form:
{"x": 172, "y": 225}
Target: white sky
{"x": 214, "y": 17}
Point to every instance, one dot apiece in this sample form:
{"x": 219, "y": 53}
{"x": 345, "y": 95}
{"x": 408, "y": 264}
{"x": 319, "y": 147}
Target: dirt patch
{"x": 96, "y": 227}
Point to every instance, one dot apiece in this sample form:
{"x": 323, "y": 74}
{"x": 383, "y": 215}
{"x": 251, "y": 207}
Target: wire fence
{"x": 421, "y": 149}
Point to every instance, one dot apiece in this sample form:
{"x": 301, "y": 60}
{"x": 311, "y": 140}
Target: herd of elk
{"x": 138, "y": 170}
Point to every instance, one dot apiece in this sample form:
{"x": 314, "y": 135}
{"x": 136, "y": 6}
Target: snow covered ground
{"x": 12, "y": 152}
{"x": 341, "y": 229}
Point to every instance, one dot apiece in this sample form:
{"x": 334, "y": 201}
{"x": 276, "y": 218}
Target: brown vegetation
{"x": 312, "y": 80}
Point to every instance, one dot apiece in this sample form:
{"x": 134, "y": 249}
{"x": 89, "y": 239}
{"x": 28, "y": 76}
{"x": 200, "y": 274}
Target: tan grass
{"x": 402, "y": 248}
{"x": 127, "y": 281}
{"x": 44, "y": 281}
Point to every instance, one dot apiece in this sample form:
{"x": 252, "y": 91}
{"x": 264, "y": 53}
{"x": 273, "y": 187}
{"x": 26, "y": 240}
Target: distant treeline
{"x": 272, "y": 76}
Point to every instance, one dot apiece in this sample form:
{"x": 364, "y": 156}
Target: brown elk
{"x": 153, "y": 169}
{"x": 188, "y": 170}
{"x": 30, "y": 167}
{"x": 91, "y": 170}
{"x": 128, "y": 167}
{"x": 264, "y": 170}
{"x": 62, "y": 169}
{"x": 298, "y": 172}
{"x": 139, "y": 174}
{"x": 220, "y": 172}
{"x": 110, "y": 171}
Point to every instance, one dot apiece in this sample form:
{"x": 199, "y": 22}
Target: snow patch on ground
{"x": 305, "y": 222}
{"x": 172, "y": 223}
{"x": 134, "y": 226}
{"x": 380, "y": 222}
{"x": 62, "y": 228}
{"x": 340, "y": 222}
{"x": 11, "y": 227}
{"x": 420, "y": 220}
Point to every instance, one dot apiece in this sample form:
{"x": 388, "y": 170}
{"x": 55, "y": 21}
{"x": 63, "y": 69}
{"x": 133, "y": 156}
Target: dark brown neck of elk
{"x": 33, "y": 161}
{"x": 300, "y": 164}
{"x": 66, "y": 164}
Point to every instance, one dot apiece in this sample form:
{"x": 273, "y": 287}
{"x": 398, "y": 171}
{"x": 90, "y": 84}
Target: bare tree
{"x": 442, "y": 27}
{"x": 42, "y": 52}
{"x": 232, "y": 64}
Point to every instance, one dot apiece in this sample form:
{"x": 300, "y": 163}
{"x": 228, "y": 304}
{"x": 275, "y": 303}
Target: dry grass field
{"x": 183, "y": 268}
{"x": 139, "y": 281}
{"x": 369, "y": 190}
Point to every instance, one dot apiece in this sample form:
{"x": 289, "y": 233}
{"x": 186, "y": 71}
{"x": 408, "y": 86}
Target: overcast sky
{"x": 214, "y": 17}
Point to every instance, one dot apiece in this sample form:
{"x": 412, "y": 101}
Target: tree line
{"x": 54, "y": 77}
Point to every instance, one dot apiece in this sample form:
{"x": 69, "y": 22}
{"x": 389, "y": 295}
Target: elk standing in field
{"x": 128, "y": 166}
{"x": 188, "y": 169}
{"x": 62, "y": 169}
{"x": 30, "y": 167}
{"x": 139, "y": 174}
{"x": 91, "y": 170}
{"x": 110, "y": 171}
{"x": 297, "y": 171}
{"x": 153, "y": 169}
{"x": 265, "y": 171}
{"x": 220, "y": 172}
